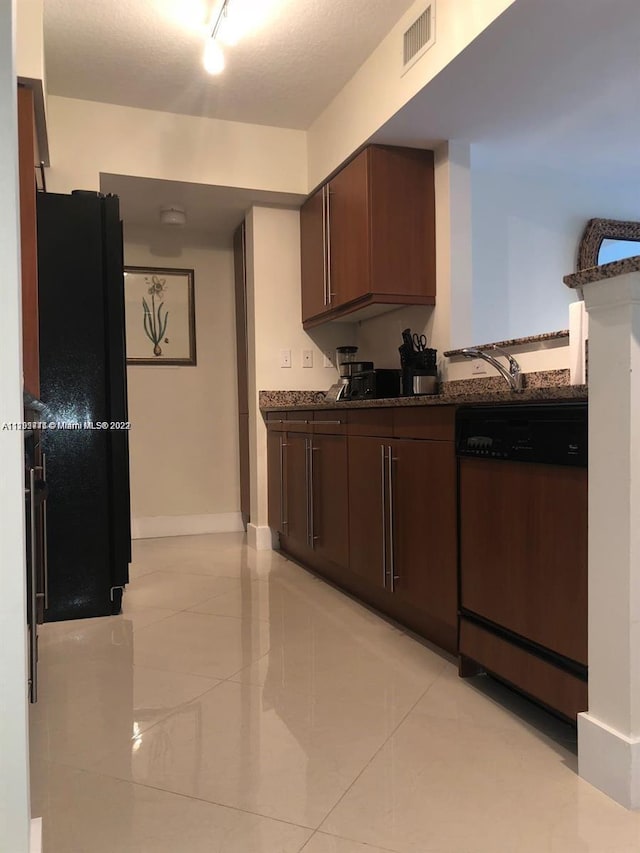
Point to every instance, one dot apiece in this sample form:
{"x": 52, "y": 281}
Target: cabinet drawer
{"x": 431, "y": 422}
{"x": 275, "y": 421}
{"x": 332, "y": 422}
{"x": 299, "y": 421}
{"x": 289, "y": 421}
{"x": 375, "y": 422}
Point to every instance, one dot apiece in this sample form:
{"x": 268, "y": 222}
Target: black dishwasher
{"x": 522, "y": 522}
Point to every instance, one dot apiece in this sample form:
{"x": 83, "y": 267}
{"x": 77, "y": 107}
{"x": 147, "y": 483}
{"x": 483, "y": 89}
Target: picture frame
{"x": 160, "y": 316}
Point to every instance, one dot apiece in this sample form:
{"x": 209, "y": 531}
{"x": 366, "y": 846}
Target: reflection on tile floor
{"x": 241, "y": 705}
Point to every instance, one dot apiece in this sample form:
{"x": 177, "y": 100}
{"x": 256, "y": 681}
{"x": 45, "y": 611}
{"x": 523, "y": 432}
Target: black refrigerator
{"x": 83, "y": 382}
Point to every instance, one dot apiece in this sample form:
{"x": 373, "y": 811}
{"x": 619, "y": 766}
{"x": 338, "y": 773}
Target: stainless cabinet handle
{"x": 392, "y": 557}
{"x": 384, "y": 515}
{"x": 328, "y": 422}
{"x": 33, "y": 644}
{"x": 324, "y": 246}
{"x": 330, "y": 295}
{"x": 294, "y": 422}
{"x": 283, "y": 520}
{"x": 312, "y": 530}
{"x": 306, "y": 482}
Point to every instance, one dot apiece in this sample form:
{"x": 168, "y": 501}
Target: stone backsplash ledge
{"x": 541, "y": 385}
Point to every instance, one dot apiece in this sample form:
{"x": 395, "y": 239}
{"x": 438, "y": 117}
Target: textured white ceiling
{"x": 213, "y": 213}
{"x": 148, "y": 53}
{"x": 551, "y": 85}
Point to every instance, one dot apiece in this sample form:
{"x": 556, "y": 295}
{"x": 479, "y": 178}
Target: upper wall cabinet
{"x": 368, "y": 237}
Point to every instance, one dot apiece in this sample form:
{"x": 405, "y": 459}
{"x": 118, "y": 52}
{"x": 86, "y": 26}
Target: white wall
{"x": 88, "y": 138}
{"x": 275, "y": 312}
{"x": 184, "y": 437}
{"x": 377, "y": 91}
{"x": 274, "y": 243}
{"x": 14, "y": 761}
{"x": 30, "y": 39}
{"x": 526, "y": 230}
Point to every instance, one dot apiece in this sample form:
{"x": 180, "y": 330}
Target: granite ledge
{"x": 515, "y": 342}
{"x": 548, "y": 385}
{"x": 603, "y": 272}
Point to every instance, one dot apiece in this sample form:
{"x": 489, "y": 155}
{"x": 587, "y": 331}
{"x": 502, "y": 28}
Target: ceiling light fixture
{"x": 173, "y": 216}
{"x": 228, "y": 32}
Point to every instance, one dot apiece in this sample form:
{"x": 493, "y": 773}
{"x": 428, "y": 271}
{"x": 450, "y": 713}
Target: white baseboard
{"x": 261, "y": 538}
{"x": 35, "y": 841}
{"x": 158, "y": 526}
{"x": 609, "y": 760}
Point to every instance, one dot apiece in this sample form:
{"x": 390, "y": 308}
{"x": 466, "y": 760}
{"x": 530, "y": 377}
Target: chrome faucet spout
{"x": 513, "y": 375}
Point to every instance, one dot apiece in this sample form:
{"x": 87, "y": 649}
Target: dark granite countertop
{"x": 602, "y": 272}
{"x": 539, "y": 387}
{"x": 515, "y": 342}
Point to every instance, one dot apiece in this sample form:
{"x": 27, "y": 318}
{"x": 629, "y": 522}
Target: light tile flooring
{"x": 241, "y": 705}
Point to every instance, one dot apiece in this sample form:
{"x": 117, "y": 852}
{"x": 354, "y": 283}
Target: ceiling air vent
{"x": 419, "y": 37}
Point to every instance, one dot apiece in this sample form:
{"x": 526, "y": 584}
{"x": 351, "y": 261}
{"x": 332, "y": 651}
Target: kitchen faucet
{"x": 513, "y": 375}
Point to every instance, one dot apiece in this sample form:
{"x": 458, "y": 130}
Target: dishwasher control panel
{"x": 552, "y": 434}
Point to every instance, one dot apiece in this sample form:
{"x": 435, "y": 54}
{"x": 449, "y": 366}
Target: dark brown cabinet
{"x": 313, "y": 254}
{"x": 402, "y": 496}
{"x": 368, "y": 521}
{"x": 422, "y": 513}
{"x": 348, "y": 237}
{"x": 308, "y": 503}
{"x": 28, "y": 240}
{"x": 297, "y": 526}
{"x": 368, "y": 235}
{"x": 275, "y": 467}
{"x": 328, "y": 496}
{"x": 368, "y": 499}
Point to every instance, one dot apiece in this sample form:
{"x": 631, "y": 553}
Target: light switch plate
{"x": 285, "y": 358}
{"x": 479, "y": 369}
{"x": 326, "y": 359}
{"x": 307, "y": 358}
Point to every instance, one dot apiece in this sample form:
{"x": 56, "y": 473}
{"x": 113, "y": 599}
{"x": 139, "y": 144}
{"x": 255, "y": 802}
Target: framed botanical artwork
{"x": 159, "y": 316}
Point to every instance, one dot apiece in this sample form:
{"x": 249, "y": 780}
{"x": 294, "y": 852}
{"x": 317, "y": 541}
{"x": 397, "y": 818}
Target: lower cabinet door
{"x": 276, "y": 450}
{"x": 367, "y": 508}
{"x": 296, "y": 523}
{"x": 422, "y": 499}
{"x": 329, "y": 496}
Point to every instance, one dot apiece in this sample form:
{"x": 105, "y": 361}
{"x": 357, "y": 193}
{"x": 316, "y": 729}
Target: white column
{"x": 14, "y": 777}
{"x": 609, "y": 733}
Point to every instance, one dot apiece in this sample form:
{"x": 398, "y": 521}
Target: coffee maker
{"x": 347, "y": 368}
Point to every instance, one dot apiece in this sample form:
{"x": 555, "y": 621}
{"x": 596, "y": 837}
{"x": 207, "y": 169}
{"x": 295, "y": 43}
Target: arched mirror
{"x": 607, "y": 240}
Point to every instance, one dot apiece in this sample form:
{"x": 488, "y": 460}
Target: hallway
{"x": 241, "y": 705}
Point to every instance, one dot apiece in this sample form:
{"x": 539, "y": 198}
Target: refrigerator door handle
{"x": 33, "y": 622}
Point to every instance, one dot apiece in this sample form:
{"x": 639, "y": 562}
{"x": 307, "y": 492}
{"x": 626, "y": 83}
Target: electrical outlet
{"x": 285, "y": 358}
{"x": 307, "y": 358}
{"x": 478, "y": 369}
{"x": 326, "y": 359}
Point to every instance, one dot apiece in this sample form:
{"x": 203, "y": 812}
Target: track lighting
{"x": 225, "y": 29}
{"x": 213, "y": 57}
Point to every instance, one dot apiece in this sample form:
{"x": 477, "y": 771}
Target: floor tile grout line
{"x": 173, "y": 710}
{"x": 183, "y": 795}
{"x": 344, "y": 838}
{"x": 314, "y": 830}
{"x": 120, "y": 780}
{"x": 380, "y": 748}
